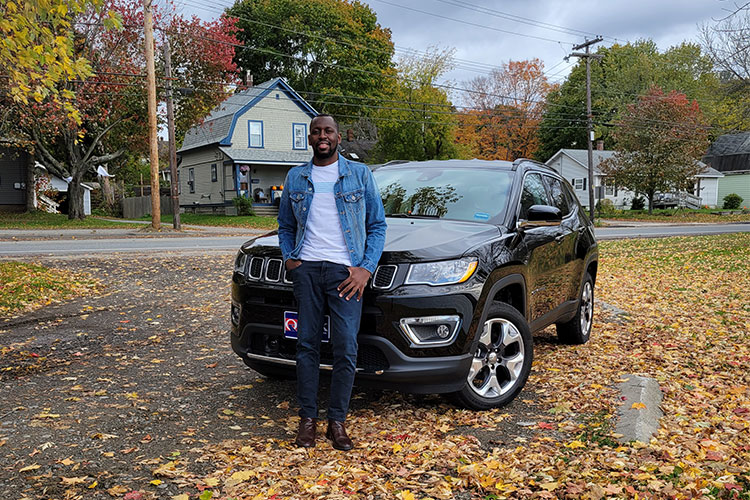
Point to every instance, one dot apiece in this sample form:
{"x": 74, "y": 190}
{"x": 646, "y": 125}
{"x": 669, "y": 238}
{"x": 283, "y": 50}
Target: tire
{"x": 578, "y": 329}
{"x": 502, "y": 360}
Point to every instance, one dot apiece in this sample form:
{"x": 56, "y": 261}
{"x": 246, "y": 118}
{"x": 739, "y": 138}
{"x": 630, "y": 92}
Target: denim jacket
{"x": 359, "y": 205}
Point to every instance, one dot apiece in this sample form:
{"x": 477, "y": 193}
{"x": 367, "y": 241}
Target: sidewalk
{"x": 140, "y": 229}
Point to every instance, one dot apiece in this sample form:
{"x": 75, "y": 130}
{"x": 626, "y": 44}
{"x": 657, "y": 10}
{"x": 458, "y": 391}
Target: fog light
{"x": 430, "y": 331}
{"x": 235, "y": 314}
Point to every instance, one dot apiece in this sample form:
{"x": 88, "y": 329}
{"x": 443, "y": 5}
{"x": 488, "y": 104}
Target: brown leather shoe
{"x": 306, "y": 433}
{"x": 336, "y": 432}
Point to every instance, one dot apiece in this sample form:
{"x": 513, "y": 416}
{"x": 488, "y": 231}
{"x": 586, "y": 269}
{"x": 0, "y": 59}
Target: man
{"x": 331, "y": 234}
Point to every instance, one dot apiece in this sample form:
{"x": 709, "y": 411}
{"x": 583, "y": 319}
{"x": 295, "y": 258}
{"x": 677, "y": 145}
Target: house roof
{"x": 254, "y": 155}
{"x": 730, "y": 144}
{"x": 581, "y": 156}
{"x": 218, "y": 126}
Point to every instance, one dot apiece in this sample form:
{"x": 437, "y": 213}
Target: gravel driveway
{"x": 97, "y": 390}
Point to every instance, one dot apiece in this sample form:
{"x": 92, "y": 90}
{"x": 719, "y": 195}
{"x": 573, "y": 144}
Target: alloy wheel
{"x": 498, "y": 360}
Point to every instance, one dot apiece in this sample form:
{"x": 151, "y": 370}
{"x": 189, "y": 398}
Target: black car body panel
{"x": 536, "y": 267}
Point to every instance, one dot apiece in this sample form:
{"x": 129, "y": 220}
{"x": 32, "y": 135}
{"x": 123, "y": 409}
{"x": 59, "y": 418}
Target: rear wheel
{"x": 502, "y": 361}
{"x": 578, "y": 329}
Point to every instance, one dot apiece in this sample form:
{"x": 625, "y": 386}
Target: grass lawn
{"x": 245, "y": 221}
{"x": 24, "y": 287}
{"x": 677, "y": 215}
{"x": 43, "y": 220}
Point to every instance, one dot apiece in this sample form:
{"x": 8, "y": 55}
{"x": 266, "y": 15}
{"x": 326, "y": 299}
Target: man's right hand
{"x": 292, "y": 264}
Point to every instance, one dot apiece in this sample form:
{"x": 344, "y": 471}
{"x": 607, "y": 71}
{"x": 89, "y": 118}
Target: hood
{"x": 418, "y": 239}
{"x": 413, "y": 239}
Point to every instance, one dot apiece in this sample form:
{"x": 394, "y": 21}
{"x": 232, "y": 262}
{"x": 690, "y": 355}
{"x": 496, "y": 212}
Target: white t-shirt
{"x": 324, "y": 238}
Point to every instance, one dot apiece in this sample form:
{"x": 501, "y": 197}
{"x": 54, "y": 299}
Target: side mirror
{"x": 541, "y": 215}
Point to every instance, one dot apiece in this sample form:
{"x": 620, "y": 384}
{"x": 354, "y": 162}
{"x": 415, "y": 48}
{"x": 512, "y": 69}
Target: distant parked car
{"x": 478, "y": 255}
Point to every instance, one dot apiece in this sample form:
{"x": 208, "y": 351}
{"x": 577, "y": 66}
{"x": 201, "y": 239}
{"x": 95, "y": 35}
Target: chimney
{"x": 349, "y": 134}
{"x": 600, "y": 145}
{"x": 248, "y": 78}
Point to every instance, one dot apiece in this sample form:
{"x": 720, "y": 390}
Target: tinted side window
{"x": 533, "y": 194}
{"x": 572, "y": 198}
{"x": 557, "y": 195}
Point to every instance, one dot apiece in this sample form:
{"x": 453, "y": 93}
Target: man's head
{"x": 324, "y": 138}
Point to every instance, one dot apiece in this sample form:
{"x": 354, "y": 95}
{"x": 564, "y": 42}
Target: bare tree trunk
{"x": 650, "y": 195}
{"x": 75, "y": 199}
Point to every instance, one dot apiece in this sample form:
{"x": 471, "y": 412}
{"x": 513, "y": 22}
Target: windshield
{"x": 475, "y": 195}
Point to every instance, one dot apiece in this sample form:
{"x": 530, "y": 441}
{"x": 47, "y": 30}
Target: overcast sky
{"x": 484, "y": 37}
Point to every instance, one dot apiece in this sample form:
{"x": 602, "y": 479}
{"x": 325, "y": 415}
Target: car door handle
{"x": 559, "y": 238}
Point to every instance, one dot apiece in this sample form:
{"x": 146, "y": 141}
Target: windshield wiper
{"x": 415, "y": 216}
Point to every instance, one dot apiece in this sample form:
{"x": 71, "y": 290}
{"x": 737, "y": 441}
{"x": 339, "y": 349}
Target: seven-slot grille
{"x": 384, "y": 276}
{"x": 273, "y": 270}
{"x": 256, "y": 268}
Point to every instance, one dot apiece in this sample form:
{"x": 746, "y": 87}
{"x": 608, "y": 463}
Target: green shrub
{"x": 605, "y": 207}
{"x": 244, "y": 205}
{"x": 638, "y": 203}
{"x": 732, "y": 201}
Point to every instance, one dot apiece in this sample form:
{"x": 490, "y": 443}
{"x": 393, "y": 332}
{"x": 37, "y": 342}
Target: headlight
{"x": 441, "y": 273}
{"x": 239, "y": 263}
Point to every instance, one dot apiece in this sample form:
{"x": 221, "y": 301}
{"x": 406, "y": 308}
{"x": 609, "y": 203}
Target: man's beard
{"x": 320, "y": 155}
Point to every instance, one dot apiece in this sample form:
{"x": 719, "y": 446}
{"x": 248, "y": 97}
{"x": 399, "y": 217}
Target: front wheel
{"x": 578, "y": 329}
{"x": 502, "y": 361}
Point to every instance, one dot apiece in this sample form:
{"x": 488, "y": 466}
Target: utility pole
{"x": 175, "y": 187}
{"x": 590, "y": 117}
{"x": 148, "y": 27}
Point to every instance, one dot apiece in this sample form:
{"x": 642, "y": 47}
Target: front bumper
{"x": 385, "y": 358}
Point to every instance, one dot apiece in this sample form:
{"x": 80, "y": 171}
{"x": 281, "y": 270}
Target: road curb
{"x": 640, "y": 410}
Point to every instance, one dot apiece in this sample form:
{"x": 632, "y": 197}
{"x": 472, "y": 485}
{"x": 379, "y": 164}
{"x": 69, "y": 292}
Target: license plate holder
{"x": 291, "y": 322}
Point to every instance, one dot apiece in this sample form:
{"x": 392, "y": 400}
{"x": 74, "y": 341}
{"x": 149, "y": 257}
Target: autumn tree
{"x": 660, "y": 139}
{"x": 419, "y": 121}
{"x": 504, "y": 111}
{"x": 111, "y": 103}
{"x": 333, "y": 52}
{"x": 626, "y": 72}
{"x": 726, "y": 43}
{"x": 37, "y": 50}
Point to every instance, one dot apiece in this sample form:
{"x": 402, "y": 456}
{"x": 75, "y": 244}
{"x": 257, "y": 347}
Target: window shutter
{"x": 584, "y": 183}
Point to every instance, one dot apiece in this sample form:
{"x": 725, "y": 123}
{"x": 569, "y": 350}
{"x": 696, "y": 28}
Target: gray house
{"x": 730, "y": 155}
{"x": 244, "y": 148}
{"x": 14, "y": 175}
{"x": 572, "y": 164}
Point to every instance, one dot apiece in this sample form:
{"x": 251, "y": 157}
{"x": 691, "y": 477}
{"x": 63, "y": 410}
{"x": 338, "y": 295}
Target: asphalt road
{"x": 62, "y": 243}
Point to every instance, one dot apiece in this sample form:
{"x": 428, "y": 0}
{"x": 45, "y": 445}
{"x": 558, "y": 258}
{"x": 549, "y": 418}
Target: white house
{"x": 572, "y": 164}
{"x": 245, "y": 148}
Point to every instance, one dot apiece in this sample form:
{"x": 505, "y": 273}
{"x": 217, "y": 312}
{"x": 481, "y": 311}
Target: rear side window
{"x": 533, "y": 194}
{"x": 557, "y": 195}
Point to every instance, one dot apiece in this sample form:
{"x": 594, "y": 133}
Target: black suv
{"x": 478, "y": 255}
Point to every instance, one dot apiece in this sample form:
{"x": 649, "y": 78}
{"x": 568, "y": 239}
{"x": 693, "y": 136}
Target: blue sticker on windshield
{"x": 481, "y": 216}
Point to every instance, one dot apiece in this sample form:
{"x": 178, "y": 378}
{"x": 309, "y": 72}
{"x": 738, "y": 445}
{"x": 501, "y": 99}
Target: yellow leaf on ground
{"x": 638, "y": 406}
{"x": 549, "y": 486}
{"x": 181, "y": 496}
{"x": 211, "y": 481}
{"x": 30, "y": 467}
{"x": 407, "y": 495}
{"x": 575, "y": 444}
{"x": 396, "y": 448}
{"x": 70, "y": 481}
{"x": 156, "y": 482}
{"x": 243, "y": 475}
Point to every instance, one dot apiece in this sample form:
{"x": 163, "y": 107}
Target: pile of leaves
{"x": 24, "y": 287}
{"x": 688, "y": 304}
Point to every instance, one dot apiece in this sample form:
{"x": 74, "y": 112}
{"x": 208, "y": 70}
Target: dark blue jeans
{"x": 315, "y": 286}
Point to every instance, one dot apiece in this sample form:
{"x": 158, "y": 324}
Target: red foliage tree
{"x": 112, "y": 103}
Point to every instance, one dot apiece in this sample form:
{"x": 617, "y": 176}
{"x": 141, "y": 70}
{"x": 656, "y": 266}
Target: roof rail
{"x": 517, "y": 162}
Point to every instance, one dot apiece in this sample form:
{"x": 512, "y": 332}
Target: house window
{"x": 214, "y": 174}
{"x": 610, "y": 189}
{"x": 579, "y": 183}
{"x": 299, "y": 136}
{"x": 191, "y": 180}
{"x": 255, "y": 134}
